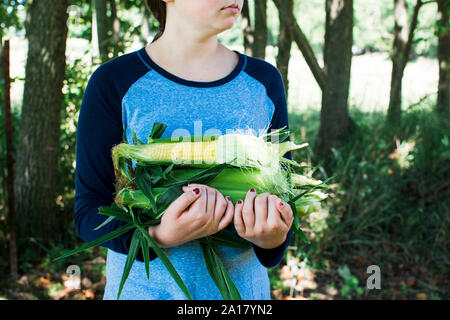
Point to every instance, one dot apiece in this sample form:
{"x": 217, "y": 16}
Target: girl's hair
{"x": 159, "y": 11}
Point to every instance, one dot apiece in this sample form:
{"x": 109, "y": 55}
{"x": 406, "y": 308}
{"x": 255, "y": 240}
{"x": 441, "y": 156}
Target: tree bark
{"x": 400, "y": 56}
{"x": 285, "y": 41}
{"x": 115, "y": 30}
{"x": 260, "y": 31}
{"x": 94, "y": 38}
{"x": 1, "y": 53}
{"x": 246, "y": 26}
{"x": 102, "y": 24}
{"x": 11, "y": 214}
{"x": 335, "y": 123}
{"x": 443, "y": 101}
{"x": 36, "y": 176}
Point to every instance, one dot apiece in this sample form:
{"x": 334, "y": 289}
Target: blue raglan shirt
{"x": 133, "y": 92}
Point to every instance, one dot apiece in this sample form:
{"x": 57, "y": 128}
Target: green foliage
{"x": 76, "y": 77}
{"x": 350, "y": 282}
{"x": 373, "y": 25}
{"x": 80, "y": 19}
{"x": 425, "y": 41}
{"x": 392, "y": 198}
{"x": 47, "y": 261}
{"x": 8, "y": 14}
{"x": 392, "y": 201}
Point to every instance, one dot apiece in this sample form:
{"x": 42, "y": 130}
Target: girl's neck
{"x": 183, "y": 43}
{"x": 179, "y": 47}
{"x": 197, "y": 60}
{"x": 191, "y": 52}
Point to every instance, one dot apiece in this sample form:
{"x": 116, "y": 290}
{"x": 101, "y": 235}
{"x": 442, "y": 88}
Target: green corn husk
{"x": 235, "y": 183}
{"x": 239, "y": 163}
{"x": 236, "y": 150}
{"x": 137, "y": 199}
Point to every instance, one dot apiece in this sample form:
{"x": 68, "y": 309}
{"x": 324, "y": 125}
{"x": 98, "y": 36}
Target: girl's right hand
{"x": 199, "y": 212}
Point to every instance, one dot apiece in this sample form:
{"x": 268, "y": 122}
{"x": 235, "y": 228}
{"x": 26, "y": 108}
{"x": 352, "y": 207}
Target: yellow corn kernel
{"x": 183, "y": 152}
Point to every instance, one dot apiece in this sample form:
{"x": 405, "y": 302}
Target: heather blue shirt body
{"x": 132, "y": 92}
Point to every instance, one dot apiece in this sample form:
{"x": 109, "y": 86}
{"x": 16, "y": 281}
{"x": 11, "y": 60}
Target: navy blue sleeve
{"x": 272, "y": 80}
{"x": 99, "y": 129}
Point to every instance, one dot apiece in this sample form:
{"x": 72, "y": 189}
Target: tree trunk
{"x": 285, "y": 41}
{"x": 400, "y": 40}
{"x": 36, "y": 176}
{"x": 115, "y": 29}
{"x": 11, "y": 214}
{"x": 94, "y": 38}
{"x": 443, "y": 101}
{"x": 246, "y": 26}
{"x": 260, "y": 31}
{"x": 1, "y": 54}
{"x": 400, "y": 57}
{"x": 335, "y": 123}
{"x": 102, "y": 24}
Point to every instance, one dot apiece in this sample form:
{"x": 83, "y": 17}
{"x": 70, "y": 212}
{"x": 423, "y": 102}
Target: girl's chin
{"x": 226, "y": 27}
{"x": 229, "y": 22}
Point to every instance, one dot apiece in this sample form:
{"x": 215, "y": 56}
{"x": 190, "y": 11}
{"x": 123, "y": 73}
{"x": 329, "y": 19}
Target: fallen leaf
{"x": 421, "y": 296}
{"x": 23, "y": 281}
{"x": 277, "y": 294}
{"x": 285, "y": 273}
{"x": 86, "y": 283}
{"x": 306, "y": 284}
{"x": 410, "y": 282}
{"x": 362, "y": 260}
{"x": 44, "y": 280}
{"x": 62, "y": 293}
{"x": 321, "y": 296}
{"x": 331, "y": 291}
{"x": 89, "y": 294}
{"x": 295, "y": 298}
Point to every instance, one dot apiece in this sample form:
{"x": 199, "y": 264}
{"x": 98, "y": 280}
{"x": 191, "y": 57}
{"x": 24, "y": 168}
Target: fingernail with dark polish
{"x": 239, "y": 202}
{"x": 281, "y": 203}
{"x": 228, "y": 198}
{"x": 252, "y": 190}
{"x": 196, "y": 190}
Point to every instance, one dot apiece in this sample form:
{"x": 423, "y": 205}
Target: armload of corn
{"x": 150, "y": 176}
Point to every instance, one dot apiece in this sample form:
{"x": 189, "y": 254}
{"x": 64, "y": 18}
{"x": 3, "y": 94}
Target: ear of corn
{"x": 235, "y": 183}
{"x": 253, "y": 163}
{"x": 258, "y": 160}
{"x": 243, "y": 151}
{"x": 234, "y": 164}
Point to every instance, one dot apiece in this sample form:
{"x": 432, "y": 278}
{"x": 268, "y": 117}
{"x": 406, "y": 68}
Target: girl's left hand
{"x": 263, "y": 220}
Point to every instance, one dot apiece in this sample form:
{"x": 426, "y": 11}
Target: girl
{"x": 186, "y": 79}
